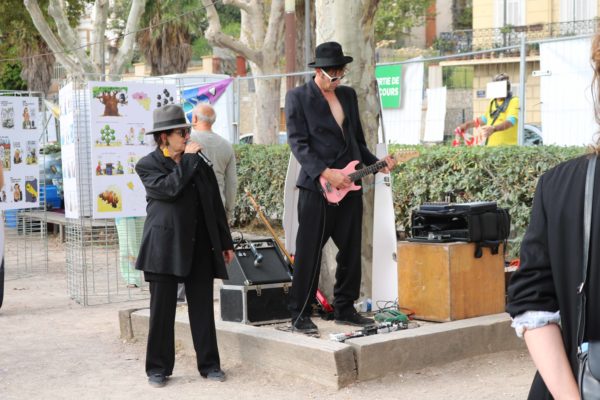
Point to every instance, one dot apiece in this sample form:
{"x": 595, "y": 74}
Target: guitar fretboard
{"x": 367, "y": 170}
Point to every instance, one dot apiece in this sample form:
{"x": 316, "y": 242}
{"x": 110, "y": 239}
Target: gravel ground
{"x": 53, "y": 348}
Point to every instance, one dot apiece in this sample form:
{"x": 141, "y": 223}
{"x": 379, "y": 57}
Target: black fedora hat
{"x": 165, "y": 118}
{"x": 329, "y": 54}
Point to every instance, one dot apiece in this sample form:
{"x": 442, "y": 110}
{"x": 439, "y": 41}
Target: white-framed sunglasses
{"x": 334, "y": 78}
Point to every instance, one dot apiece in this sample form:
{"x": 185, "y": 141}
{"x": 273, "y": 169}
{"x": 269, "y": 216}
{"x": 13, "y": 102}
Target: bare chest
{"x": 336, "y": 109}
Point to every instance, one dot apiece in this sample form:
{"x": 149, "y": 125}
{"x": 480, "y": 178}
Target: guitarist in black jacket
{"x": 325, "y": 134}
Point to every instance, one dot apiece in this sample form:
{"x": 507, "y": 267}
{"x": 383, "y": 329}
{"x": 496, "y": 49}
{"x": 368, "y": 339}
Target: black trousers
{"x": 160, "y": 353}
{"x": 319, "y": 221}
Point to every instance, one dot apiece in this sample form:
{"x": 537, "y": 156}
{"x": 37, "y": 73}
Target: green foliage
{"x": 261, "y": 169}
{"x": 458, "y": 77}
{"x": 443, "y": 45}
{"x": 394, "y": 17}
{"x": 507, "y": 175}
{"x": 200, "y": 48}
{"x": 232, "y": 28}
{"x": 462, "y": 16}
{"x": 10, "y": 76}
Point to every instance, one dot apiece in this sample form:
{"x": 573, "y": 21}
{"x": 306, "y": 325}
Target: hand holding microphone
{"x": 193, "y": 147}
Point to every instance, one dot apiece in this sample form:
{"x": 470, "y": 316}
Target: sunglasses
{"x": 334, "y": 78}
{"x": 183, "y": 132}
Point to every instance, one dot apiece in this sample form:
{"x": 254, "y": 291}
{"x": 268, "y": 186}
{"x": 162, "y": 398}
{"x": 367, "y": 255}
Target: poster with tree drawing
{"x": 121, "y": 114}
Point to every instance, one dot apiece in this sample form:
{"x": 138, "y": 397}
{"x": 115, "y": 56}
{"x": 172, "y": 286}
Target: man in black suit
{"x": 186, "y": 240}
{"x": 325, "y": 134}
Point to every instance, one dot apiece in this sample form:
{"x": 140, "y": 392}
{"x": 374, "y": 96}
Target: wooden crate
{"x": 445, "y": 282}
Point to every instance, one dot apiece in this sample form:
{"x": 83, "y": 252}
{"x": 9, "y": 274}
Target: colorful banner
{"x": 208, "y": 93}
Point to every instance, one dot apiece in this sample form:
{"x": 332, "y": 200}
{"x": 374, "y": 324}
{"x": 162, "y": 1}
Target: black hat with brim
{"x": 330, "y": 55}
{"x": 168, "y": 117}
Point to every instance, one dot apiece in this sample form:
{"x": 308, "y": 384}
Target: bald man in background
{"x": 219, "y": 151}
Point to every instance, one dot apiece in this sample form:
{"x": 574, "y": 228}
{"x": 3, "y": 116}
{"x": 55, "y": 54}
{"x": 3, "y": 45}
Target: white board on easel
{"x": 385, "y": 271}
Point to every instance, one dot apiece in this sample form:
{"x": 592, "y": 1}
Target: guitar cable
{"x": 317, "y": 264}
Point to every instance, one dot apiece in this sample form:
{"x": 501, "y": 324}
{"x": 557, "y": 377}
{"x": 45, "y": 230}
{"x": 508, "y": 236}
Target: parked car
{"x": 532, "y": 135}
{"x": 248, "y": 138}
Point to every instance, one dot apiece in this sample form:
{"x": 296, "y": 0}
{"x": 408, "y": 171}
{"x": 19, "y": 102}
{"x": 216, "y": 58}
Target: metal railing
{"x": 464, "y": 41}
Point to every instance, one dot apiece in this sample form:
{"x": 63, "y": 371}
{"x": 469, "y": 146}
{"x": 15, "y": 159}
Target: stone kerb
{"x": 433, "y": 344}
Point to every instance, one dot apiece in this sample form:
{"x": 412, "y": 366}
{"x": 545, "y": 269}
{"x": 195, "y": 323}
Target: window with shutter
{"x": 578, "y": 10}
{"x": 510, "y": 12}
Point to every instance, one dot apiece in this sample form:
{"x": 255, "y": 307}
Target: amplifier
{"x": 258, "y": 286}
{"x": 257, "y": 262}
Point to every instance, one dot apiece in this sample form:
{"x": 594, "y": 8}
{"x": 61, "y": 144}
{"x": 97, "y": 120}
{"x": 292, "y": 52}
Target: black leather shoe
{"x": 215, "y": 375}
{"x": 353, "y": 318}
{"x": 157, "y": 380}
{"x": 303, "y": 324}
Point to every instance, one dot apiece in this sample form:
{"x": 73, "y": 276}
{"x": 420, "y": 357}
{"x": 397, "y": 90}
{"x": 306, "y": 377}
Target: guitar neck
{"x": 361, "y": 173}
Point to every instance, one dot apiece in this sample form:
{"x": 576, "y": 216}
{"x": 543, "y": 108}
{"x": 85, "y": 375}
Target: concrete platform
{"x": 337, "y": 365}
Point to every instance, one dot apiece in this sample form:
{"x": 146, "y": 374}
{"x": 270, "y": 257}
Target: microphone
{"x": 257, "y": 256}
{"x": 204, "y": 158}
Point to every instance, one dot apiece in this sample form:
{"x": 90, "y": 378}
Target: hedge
{"x": 507, "y": 175}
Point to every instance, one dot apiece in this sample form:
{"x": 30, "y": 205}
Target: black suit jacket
{"x": 172, "y": 213}
{"x": 316, "y": 139}
{"x": 552, "y": 258}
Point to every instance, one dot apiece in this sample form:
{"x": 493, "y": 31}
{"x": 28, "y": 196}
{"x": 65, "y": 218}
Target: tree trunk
{"x": 352, "y": 25}
{"x": 66, "y": 46}
{"x": 301, "y": 61}
{"x": 267, "y": 107}
{"x": 125, "y": 52}
{"x": 37, "y": 71}
{"x": 262, "y": 48}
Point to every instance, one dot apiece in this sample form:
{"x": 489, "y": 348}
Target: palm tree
{"x": 167, "y": 46}
{"x": 36, "y": 71}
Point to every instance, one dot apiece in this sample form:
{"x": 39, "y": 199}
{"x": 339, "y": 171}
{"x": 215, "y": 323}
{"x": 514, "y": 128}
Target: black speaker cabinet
{"x": 258, "y": 286}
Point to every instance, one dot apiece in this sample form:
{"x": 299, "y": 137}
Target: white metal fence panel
{"x": 567, "y": 107}
{"x": 403, "y": 125}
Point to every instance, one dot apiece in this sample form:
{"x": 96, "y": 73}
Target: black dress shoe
{"x": 353, "y": 318}
{"x": 157, "y": 380}
{"x": 215, "y": 375}
{"x": 303, "y": 324}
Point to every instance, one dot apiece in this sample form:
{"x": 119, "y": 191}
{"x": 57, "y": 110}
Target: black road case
{"x": 256, "y": 304}
{"x": 258, "y": 286}
{"x": 463, "y": 222}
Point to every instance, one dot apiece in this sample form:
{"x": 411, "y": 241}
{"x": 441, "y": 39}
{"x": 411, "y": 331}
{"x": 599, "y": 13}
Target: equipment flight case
{"x": 463, "y": 222}
{"x": 258, "y": 286}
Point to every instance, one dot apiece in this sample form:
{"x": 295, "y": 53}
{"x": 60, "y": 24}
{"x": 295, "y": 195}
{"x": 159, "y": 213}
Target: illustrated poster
{"x": 19, "y": 152}
{"x": 121, "y": 114}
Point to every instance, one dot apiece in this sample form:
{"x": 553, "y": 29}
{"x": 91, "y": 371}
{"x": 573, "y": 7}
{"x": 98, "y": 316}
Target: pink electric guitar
{"x": 335, "y": 195}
